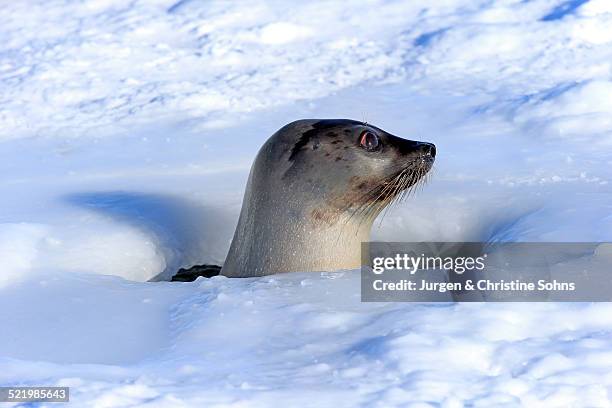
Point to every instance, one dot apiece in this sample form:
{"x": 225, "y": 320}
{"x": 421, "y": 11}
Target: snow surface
{"x": 126, "y": 133}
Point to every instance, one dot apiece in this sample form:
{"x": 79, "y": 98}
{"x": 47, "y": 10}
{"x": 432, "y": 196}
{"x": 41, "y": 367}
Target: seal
{"x": 313, "y": 192}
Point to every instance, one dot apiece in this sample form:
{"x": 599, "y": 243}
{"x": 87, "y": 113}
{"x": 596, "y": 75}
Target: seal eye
{"x": 369, "y": 141}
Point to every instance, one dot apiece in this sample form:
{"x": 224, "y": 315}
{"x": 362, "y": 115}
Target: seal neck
{"x": 273, "y": 239}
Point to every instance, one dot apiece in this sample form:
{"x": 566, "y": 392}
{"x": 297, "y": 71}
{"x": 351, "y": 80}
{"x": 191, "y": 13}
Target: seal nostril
{"x": 428, "y": 149}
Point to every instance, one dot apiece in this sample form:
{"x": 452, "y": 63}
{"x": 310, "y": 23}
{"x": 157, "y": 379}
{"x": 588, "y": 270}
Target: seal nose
{"x": 428, "y": 149}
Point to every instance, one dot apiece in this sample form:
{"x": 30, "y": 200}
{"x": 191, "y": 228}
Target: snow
{"x": 126, "y": 133}
{"x": 300, "y": 338}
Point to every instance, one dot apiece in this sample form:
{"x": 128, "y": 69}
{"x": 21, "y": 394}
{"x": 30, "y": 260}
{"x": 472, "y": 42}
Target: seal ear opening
{"x": 316, "y": 143}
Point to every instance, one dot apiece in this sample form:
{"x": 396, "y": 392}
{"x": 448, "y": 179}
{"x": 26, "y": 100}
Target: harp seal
{"x": 313, "y": 192}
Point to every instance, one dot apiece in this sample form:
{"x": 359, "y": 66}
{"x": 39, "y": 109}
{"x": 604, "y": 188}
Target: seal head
{"x": 314, "y": 190}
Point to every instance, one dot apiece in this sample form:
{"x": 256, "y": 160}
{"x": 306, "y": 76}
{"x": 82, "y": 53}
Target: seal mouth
{"x": 427, "y": 161}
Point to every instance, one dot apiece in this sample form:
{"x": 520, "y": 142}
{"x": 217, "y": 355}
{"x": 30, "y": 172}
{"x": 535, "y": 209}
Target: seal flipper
{"x": 191, "y": 274}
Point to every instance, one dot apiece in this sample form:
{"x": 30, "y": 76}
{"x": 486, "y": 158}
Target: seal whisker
{"x": 400, "y": 187}
{"x": 387, "y": 195}
{"x": 401, "y": 190}
{"x": 368, "y": 204}
{"x": 409, "y": 185}
{"x": 368, "y": 198}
